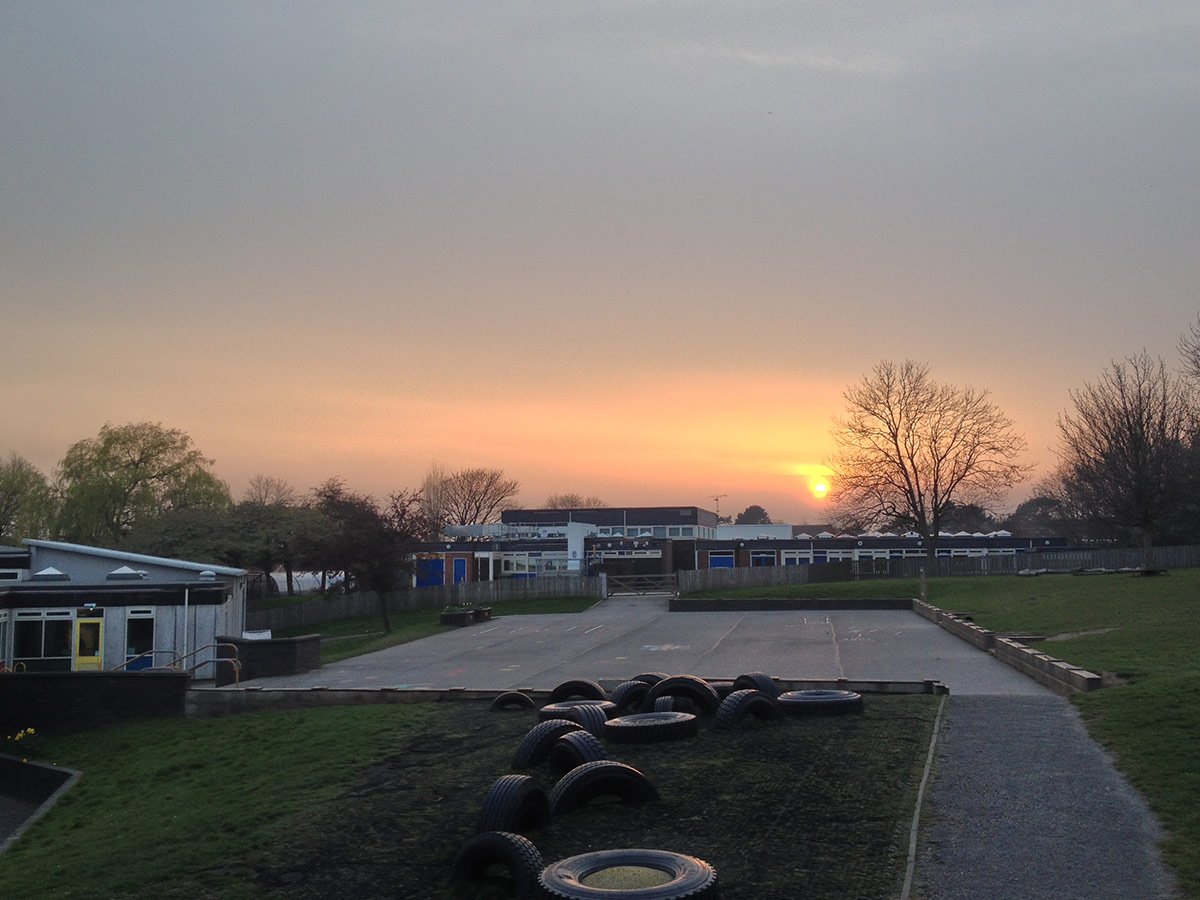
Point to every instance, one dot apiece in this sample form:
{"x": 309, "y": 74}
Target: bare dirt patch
{"x": 1071, "y": 635}
{"x": 813, "y": 807}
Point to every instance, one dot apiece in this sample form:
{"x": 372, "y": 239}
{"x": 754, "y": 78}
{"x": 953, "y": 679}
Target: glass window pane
{"x": 27, "y": 639}
{"x": 58, "y": 638}
{"x": 140, "y": 637}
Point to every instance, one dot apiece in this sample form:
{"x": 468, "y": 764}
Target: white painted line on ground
{"x": 593, "y": 628}
{"x": 489, "y": 630}
{"x": 916, "y": 820}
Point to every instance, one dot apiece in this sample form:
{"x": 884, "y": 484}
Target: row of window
{"x": 725, "y": 558}
{"x": 48, "y": 640}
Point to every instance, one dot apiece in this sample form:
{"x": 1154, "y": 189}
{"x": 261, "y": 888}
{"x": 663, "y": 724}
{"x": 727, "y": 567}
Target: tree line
{"x": 916, "y": 454}
{"x": 912, "y": 454}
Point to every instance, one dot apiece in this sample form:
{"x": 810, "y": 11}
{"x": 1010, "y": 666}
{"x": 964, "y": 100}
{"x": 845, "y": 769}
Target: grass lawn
{"x": 345, "y": 638}
{"x": 375, "y": 802}
{"x": 1145, "y": 629}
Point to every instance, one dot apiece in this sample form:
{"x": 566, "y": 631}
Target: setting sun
{"x": 817, "y": 477}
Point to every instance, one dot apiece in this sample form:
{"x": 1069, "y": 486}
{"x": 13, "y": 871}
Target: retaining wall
{"x": 264, "y": 658}
{"x": 68, "y": 701}
{"x": 1059, "y": 676}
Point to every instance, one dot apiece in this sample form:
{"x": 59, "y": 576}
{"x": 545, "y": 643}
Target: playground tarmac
{"x": 1022, "y": 802}
{"x": 622, "y": 636}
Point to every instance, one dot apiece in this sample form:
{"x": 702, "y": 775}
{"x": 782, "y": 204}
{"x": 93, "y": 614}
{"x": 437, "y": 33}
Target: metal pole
{"x": 185, "y": 622}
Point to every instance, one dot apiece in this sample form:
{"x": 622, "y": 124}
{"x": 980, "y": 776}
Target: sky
{"x": 636, "y": 250}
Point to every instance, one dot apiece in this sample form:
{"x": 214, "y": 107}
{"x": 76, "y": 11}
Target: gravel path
{"x": 1024, "y": 804}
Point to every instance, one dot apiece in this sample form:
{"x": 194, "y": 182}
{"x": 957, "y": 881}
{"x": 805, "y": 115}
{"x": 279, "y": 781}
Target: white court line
{"x": 593, "y": 628}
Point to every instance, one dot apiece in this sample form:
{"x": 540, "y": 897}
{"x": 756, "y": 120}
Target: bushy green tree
{"x": 26, "y": 501}
{"x": 128, "y": 475}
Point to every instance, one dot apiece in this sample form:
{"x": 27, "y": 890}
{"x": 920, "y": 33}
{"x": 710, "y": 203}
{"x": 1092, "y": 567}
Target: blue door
{"x": 460, "y": 571}
{"x": 431, "y": 572}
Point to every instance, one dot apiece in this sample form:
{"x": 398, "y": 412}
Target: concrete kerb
{"x": 209, "y": 703}
{"x": 45, "y": 781}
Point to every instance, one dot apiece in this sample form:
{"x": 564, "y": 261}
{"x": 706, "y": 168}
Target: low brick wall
{"x": 69, "y": 701}
{"x": 276, "y": 656}
{"x": 1054, "y": 673}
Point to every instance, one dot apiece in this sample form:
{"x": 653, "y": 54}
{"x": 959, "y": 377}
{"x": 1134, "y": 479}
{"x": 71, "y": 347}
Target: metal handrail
{"x": 237, "y": 665}
{"x": 143, "y": 655}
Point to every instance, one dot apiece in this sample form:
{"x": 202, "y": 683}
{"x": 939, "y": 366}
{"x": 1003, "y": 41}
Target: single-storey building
{"x": 529, "y": 543}
{"x": 71, "y": 608}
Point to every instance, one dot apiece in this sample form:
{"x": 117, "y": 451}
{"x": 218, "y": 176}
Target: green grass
{"x": 1146, "y": 630}
{"x": 162, "y": 803}
{"x": 365, "y": 634}
{"x": 375, "y": 801}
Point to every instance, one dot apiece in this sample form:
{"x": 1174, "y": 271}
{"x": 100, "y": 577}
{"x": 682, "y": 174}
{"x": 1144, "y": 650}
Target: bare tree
{"x": 474, "y": 496}
{"x": 909, "y": 448}
{"x": 574, "y": 501}
{"x": 1127, "y": 448}
{"x": 1189, "y": 351}
{"x": 266, "y": 490}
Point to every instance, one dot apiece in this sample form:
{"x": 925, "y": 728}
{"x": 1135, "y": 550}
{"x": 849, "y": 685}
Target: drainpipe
{"x": 185, "y": 622}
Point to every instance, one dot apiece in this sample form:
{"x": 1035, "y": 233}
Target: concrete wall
{"x": 259, "y": 659}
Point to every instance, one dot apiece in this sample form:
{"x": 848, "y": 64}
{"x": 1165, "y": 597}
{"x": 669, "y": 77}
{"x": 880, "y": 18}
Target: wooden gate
{"x": 642, "y": 584}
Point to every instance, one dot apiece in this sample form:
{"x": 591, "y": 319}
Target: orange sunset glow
{"x": 620, "y": 257}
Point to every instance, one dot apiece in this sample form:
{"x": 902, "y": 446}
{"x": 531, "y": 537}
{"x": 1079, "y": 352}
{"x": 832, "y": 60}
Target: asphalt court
{"x": 622, "y": 636}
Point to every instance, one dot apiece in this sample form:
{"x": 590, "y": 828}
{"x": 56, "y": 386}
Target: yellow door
{"x": 89, "y": 645}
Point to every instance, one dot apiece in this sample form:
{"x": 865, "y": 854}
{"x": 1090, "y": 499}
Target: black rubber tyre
{"x": 650, "y": 677}
{"x": 651, "y": 727}
{"x": 695, "y": 689}
{"x": 594, "y": 779}
{"x": 723, "y": 688}
{"x": 513, "y": 700}
{"x": 515, "y": 853}
{"x": 671, "y": 703}
{"x": 574, "y": 749}
{"x": 820, "y": 702}
{"x": 592, "y": 717}
{"x": 578, "y": 689}
{"x": 514, "y": 803}
{"x": 562, "y": 708}
{"x": 628, "y": 696}
{"x": 536, "y": 744}
{"x": 688, "y": 877}
{"x": 740, "y": 704}
{"x": 757, "y": 681}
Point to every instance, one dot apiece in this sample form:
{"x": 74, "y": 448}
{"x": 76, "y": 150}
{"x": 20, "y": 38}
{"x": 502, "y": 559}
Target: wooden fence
{"x": 1058, "y": 560}
{"x": 483, "y": 593}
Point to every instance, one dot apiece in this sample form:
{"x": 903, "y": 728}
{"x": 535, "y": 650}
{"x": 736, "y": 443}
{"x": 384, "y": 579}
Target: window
{"x": 762, "y": 557}
{"x": 42, "y": 640}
